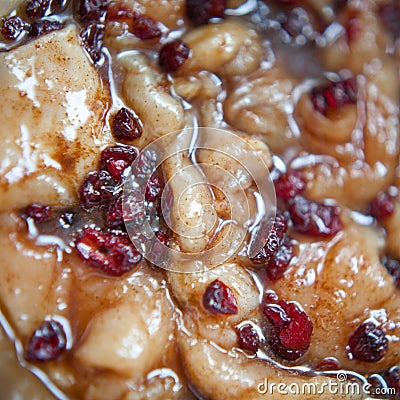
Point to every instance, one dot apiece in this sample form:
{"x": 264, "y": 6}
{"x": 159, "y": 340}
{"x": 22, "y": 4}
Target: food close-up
{"x": 199, "y": 199}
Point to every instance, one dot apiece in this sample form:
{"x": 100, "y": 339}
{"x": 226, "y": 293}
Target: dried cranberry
{"x": 391, "y": 17}
{"x": 393, "y": 267}
{"x": 92, "y": 10}
{"x": 291, "y": 329}
{"x": 368, "y": 343}
{"x": 163, "y": 205}
{"x": 289, "y": 185}
{"x": 12, "y": 27}
{"x": 158, "y": 207}
{"x": 37, "y": 212}
{"x": 146, "y": 163}
{"x": 173, "y": 55}
{"x": 116, "y": 159}
{"x": 44, "y": 26}
{"x": 274, "y": 240}
{"x": 278, "y": 264}
{"x": 121, "y": 13}
{"x": 248, "y": 338}
{"x": 382, "y": 206}
{"x": 47, "y": 342}
{"x": 153, "y": 189}
{"x": 219, "y": 299}
{"x": 97, "y": 189}
{"x": 92, "y": 40}
{"x": 313, "y": 218}
{"x": 162, "y": 237}
{"x": 297, "y": 334}
{"x": 115, "y": 216}
{"x": 158, "y": 250}
{"x": 126, "y": 126}
{"x": 328, "y": 364}
{"x": 334, "y": 96}
{"x": 275, "y": 314}
{"x": 200, "y": 11}
{"x": 112, "y": 254}
{"x": 145, "y": 28}
{"x": 37, "y": 8}
{"x": 392, "y": 377}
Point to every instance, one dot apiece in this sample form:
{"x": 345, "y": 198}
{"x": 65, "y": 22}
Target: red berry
{"x": 126, "y": 126}
{"x": 40, "y": 8}
{"x": 115, "y": 216}
{"x": 162, "y": 237}
{"x": 116, "y": 159}
{"x": 145, "y": 164}
{"x": 219, "y": 299}
{"x": 145, "y": 28}
{"x": 328, "y": 364}
{"x": 173, "y": 55}
{"x": 289, "y": 185}
{"x": 278, "y": 264}
{"x": 44, "y": 26}
{"x": 92, "y": 10}
{"x": 153, "y": 189}
{"x": 121, "y": 13}
{"x": 37, "y": 8}
{"x": 200, "y": 11}
{"x": 275, "y": 314}
{"x": 368, "y": 343}
{"x": 334, "y": 96}
{"x": 158, "y": 251}
{"x": 382, "y": 206}
{"x": 37, "y": 212}
{"x": 291, "y": 329}
{"x": 97, "y": 189}
{"x": 274, "y": 240}
{"x": 313, "y": 218}
{"x": 92, "y": 40}
{"x": 12, "y": 27}
{"x": 47, "y": 342}
{"x": 112, "y": 254}
{"x": 248, "y": 338}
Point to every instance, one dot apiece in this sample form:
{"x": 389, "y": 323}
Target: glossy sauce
{"x": 86, "y": 298}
